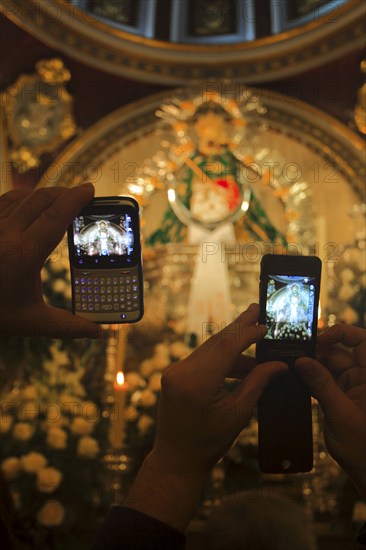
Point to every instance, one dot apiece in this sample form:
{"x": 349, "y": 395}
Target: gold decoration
{"x": 6, "y": 182}
{"x": 53, "y": 71}
{"x": 38, "y": 113}
{"x": 360, "y": 109}
{"x": 208, "y": 129}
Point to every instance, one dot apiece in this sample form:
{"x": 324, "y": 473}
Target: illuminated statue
{"x": 210, "y": 185}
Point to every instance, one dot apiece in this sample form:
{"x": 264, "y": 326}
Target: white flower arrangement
{"x": 51, "y": 514}
{"x": 11, "y": 467}
{"x": 46, "y": 424}
{"x": 33, "y": 462}
{"x": 179, "y": 350}
{"x": 29, "y": 393}
{"x": 57, "y": 438}
{"x": 134, "y": 380}
{"x": 23, "y": 431}
{"x": 131, "y": 414}
{"x": 60, "y": 285}
{"x": 48, "y": 479}
{"x": 80, "y": 426}
{"x": 144, "y": 423}
{"x": 147, "y": 398}
{"x": 6, "y": 422}
{"x": 154, "y": 383}
{"x": 88, "y": 447}
{"x": 90, "y": 411}
{"x": 346, "y": 292}
{"x": 145, "y": 385}
{"x": 147, "y": 367}
{"x": 347, "y": 288}
{"x": 161, "y": 361}
{"x": 55, "y": 428}
{"x": 55, "y": 418}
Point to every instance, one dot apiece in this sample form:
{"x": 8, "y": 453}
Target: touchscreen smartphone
{"x": 289, "y": 296}
{"x": 106, "y": 262}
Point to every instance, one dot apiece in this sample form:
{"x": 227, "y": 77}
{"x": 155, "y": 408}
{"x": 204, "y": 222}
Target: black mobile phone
{"x": 106, "y": 262}
{"x": 289, "y": 297}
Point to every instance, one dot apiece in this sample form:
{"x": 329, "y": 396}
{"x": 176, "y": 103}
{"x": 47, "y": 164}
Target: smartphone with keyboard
{"x": 106, "y": 262}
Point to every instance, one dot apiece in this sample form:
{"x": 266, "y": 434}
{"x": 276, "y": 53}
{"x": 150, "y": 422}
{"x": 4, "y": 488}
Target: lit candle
{"x": 118, "y": 424}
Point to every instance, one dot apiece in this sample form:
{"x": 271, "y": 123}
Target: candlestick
{"x": 118, "y": 426}
{"x": 322, "y": 237}
{"x": 120, "y": 387}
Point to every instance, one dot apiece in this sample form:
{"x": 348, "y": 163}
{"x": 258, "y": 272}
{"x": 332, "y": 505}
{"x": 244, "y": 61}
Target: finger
{"x": 250, "y": 390}
{"x": 334, "y": 403}
{"x": 48, "y": 229}
{"x": 336, "y": 358}
{"x": 343, "y": 334}
{"x": 10, "y": 200}
{"x": 216, "y": 356}
{"x": 68, "y": 325}
{"x": 358, "y": 396}
{"x": 351, "y": 378}
{"x": 58, "y": 323}
{"x": 242, "y": 366}
{"x": 33, "y": 204}
{"x": 14, "y": 194}
{"x": 237, "y": 336}
{"x": 350, "y": 336}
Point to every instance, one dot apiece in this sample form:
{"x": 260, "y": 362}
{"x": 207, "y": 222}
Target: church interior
{"x": 238, "y": 127}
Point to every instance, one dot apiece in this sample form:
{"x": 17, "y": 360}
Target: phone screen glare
{"x": 290, "y": 307}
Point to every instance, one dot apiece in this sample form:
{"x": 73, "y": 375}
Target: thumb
{"x": 64, "y": 324}
{"x": 250, "y": 390}
{"x": 58, "y": 323}
{"x": 319, "y": 380}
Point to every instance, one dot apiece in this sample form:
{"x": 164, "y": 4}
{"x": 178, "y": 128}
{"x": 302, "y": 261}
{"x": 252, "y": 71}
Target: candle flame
{"x": 321, "y": 321}
{"x": 120, "y": 378}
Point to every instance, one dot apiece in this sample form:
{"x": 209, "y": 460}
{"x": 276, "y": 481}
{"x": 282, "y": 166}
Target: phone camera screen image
{"x": 105, "y": 239}
{"x": 290, "y": 307}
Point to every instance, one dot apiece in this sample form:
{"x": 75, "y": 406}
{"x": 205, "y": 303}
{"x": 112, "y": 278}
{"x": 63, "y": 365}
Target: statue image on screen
{"x": 290, "y": 304}
{"x": 103, "y": 238}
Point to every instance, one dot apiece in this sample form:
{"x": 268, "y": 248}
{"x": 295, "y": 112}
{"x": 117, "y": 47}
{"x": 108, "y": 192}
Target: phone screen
{"x": 290, "y": 307}
{"x": 105, "y": 238}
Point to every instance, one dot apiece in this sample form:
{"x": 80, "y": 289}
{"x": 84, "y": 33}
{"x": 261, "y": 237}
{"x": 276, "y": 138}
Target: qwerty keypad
{"x": 103, "y": 294}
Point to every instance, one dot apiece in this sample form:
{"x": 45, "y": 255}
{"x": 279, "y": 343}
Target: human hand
{"x": 32, "y": 223}
{"x": 198, "y": 419}
{"x": 338, "y": 382}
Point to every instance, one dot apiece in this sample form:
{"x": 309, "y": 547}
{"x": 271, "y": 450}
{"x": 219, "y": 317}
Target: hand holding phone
{"x": 289, "y": 296}
{"x": 105, "y": 261}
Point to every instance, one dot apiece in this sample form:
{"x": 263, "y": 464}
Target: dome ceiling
{"x": 177, "y": 42}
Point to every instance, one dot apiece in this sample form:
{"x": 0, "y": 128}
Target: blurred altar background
{"x": 239, "y": 127}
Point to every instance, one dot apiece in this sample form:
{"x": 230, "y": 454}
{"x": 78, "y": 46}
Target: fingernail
{"x": 86, "y": 185}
